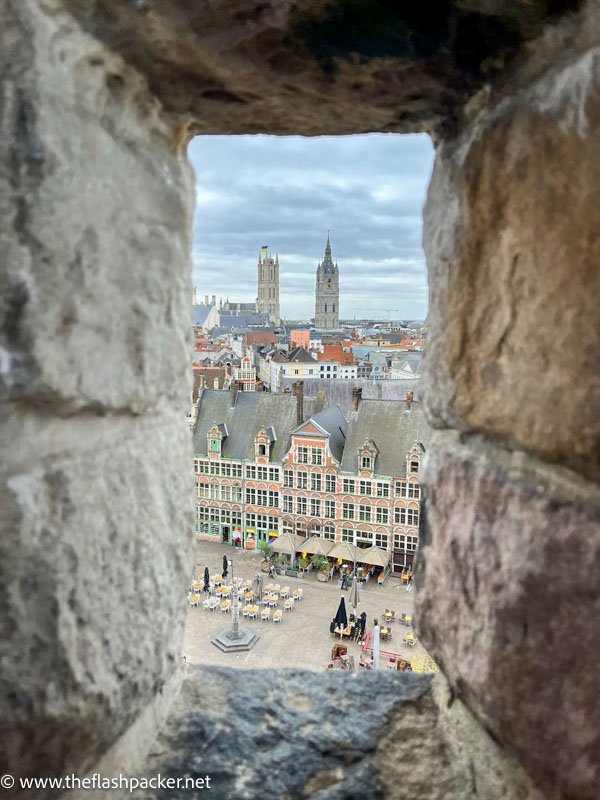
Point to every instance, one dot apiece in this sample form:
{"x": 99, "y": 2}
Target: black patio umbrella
{"x": 206, "y": 580}
{"x": 224, "y": 566}
{"x": 362, "y": 624}
{"x": 341, "y": 618}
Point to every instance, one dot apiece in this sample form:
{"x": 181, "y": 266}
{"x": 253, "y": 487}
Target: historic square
{"x": 302, "y": 639}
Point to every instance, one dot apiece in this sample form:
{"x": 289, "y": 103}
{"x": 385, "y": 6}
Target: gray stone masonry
{"x": 99, "y": 100}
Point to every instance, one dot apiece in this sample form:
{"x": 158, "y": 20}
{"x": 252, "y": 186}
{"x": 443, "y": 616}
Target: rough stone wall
{"x": 99, "y": 98}
{"x": 293, "y": 734}
{"x": 508, "y": 598}
{"x": 94, "y": 511}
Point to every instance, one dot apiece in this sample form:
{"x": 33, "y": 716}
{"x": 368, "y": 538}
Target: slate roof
{"x": 392, "y": 428}
{"x": 243, "y": 320}
{"x": 300, "y": 356}
{"x": 201, "y": 313}
{"x": 334, "y": 422}
{"x": 339, "y": 390}
{"x": 412, "y": 359}
{"x": 252, "y": 411}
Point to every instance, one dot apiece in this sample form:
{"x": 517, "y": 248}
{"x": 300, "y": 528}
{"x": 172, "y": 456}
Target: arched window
{"x": 414, "y": 465}
{"x": 333, "y": 309}
{"x": 262, "y": 450}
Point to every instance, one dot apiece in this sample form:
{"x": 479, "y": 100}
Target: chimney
{"x": 356, "y": 398}
{"x": 236, "y": 386}
{"x": 409, "y": 398}
{"x": 298, "y": 391}
{"x": 205, "y": 299}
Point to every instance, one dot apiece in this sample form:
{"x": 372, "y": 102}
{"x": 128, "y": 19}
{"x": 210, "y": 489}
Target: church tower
{"x": 268, "y": 286}
{"x": 327, "y": 295}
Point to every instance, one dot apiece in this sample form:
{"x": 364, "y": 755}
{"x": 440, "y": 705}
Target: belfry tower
{"x": 327, "y": 294}
{"x": 268, "y": 286}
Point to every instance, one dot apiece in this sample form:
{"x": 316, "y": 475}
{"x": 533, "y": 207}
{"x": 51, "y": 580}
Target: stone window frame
{"x": 382, "y": 540}
{"x": 348, "y": 510}
{"x": 316, "y": 456}
{"x": 329, "y": 508}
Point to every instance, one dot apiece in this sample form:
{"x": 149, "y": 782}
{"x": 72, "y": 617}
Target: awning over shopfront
{"x": 374, "y": 556}
{"x": 345, "y": 551}
{"x": 316, "y": 545}
{"x": 288, "y": 543}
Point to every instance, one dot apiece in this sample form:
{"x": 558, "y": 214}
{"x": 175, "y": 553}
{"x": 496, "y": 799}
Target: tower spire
{"x": 328, "y": 246}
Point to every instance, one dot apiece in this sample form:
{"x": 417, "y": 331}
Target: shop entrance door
{"x": 225, "y": 533}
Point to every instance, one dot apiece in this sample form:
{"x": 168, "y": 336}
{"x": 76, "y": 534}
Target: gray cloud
{"x": 287, "y": 192}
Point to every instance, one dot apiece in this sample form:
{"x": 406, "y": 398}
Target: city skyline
{"x": 287, "y": 192}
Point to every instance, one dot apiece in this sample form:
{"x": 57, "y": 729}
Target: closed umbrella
{"x": 257, "y": 585}
{"x": 206, "y": 580}
{"x": 363, "y": 624}
{"x": 224, "y": 566}
{"x": 341, "y": 618}
{"x": 354, "y": 598}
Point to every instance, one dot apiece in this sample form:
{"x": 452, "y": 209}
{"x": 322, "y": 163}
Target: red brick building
{"x": 267, "y": 464}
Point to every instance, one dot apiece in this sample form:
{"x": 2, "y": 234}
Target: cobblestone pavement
{"x": 303, "y": 638}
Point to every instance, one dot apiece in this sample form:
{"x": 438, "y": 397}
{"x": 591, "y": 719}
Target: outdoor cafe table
{"x": 269, "y": 587}
{"x": 344, "y": 631}
{"x": 408, "y": 638}
{"x": 388, "y": 616}
{"x": 250, "y": 610}
{"x": 223, "y": 589}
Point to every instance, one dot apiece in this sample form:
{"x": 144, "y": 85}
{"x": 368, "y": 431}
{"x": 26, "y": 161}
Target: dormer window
{"x": 414, "y": 466}
{"x": 367, "y": 455}
{"x": 214, "y": 438}
{"x": 262, "y": 443}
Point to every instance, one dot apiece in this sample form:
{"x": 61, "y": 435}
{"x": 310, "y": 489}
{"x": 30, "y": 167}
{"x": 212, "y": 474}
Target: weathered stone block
{"x": 97, "y": 212}
{"x": 508, "y": 604}
{"x": 511, "y": 237}
{"x": 297, "y": 734}
{"x": 90, "y": 614}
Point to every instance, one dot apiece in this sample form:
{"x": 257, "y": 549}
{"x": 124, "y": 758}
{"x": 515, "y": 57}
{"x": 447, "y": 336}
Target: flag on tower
{"x": 264, "y": 248}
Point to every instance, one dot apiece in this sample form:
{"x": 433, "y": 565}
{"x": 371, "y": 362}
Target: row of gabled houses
{"x": 268, "y": 464}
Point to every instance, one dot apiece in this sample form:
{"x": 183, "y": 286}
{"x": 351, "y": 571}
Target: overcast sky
{"x": 287, "y": 191}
